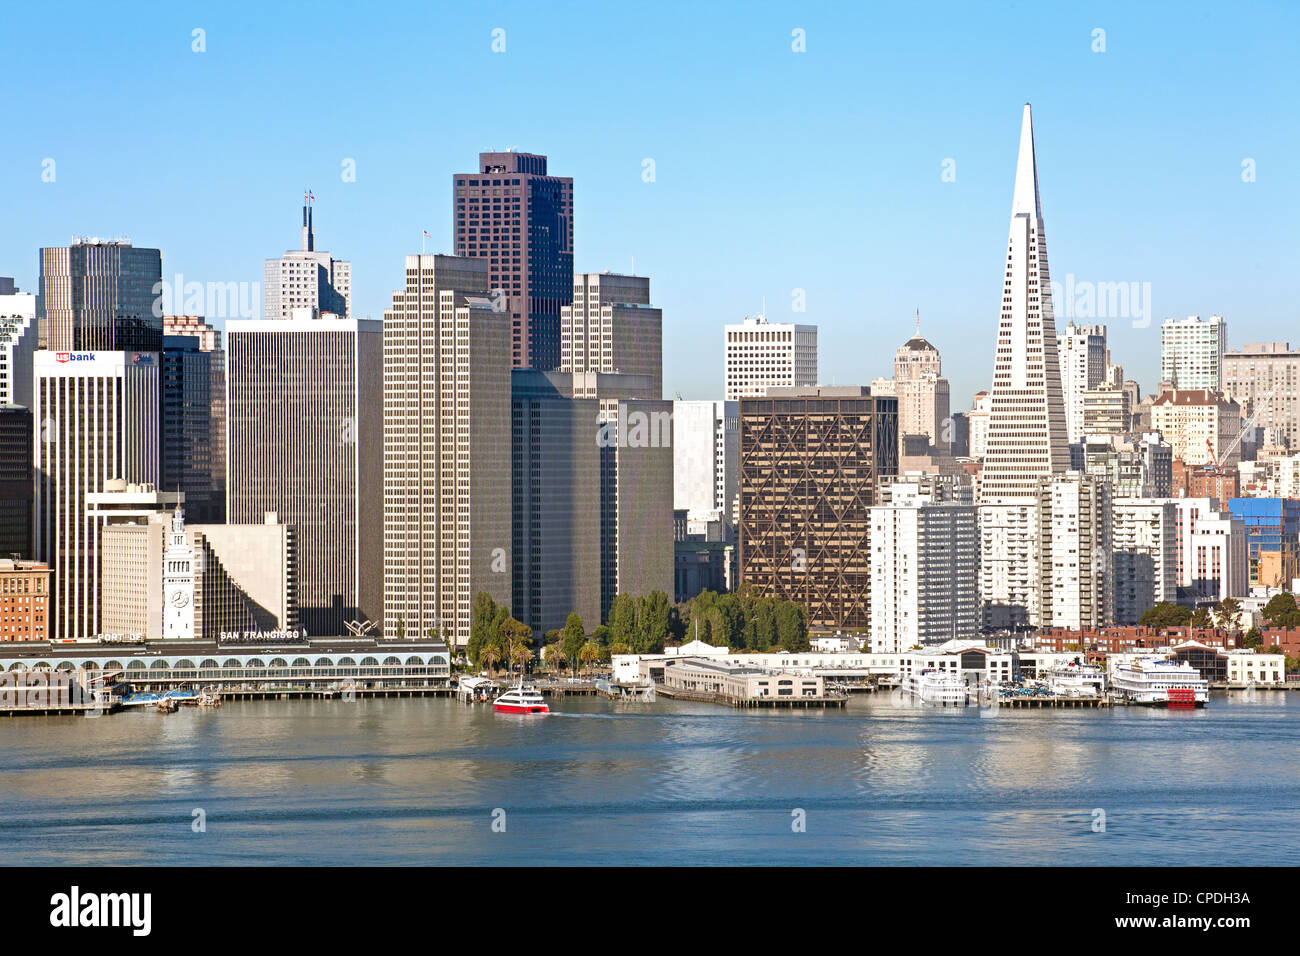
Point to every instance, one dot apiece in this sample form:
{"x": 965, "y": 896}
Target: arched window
{"x": 232, "y": 663}
{"x": 184, "y": 664}
{"x": 390, "y": 661}
{"x": 301, "y": 662}
{"x": 159, "y": 665}
{"x": 369, "y": 662}
{"x": 112, "y": 665}
{"x": 208, "y": 664}
{"x": 412, "y": 660}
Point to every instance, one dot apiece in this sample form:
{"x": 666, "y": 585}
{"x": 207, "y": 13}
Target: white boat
{"x": 935, "y": 687}
{"x": 1076, "y": 680}
{"x": 1162, "y": 683}
{"x": 523, "y": 698}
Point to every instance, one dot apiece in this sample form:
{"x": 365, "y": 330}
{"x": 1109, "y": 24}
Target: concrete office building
{"x": 1105, "y": 411}
{"x": 97, "y": 416}
{"x": 16, "y": 480}
{"x": 447, "y": 483}
{"x": 518, "y": 218}
{"x": 209, "y": 343}
{"x": 1083, "y": 368}
{"x": 924, "y": 567}
{"x": 762, "y": 354}
{"x": 1191, "y": 352}
{"x": 1075, "y": 578}
{"x": 304, "y": 399}
{"x": 811, "y": 464}
{"x": 1202, "y": 426}
{"x": 99, "y": 295}
{"x": 706, "y": 449}
{"x": 304, "y": 278}
{"x": 1027, "y": 439}
{"x": 1144, "y": 547}
{"x": 612, "y": 327}
{"x": 555, "y": 465}
{"x": 1264, "y": 378}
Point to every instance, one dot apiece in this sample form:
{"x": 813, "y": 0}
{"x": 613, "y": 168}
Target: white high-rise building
{"x": 1264, "y": 378}
{"x": 1144, "y": 543}
{"x": 17, "y": 344}
{"x": 924, "y": 566}
{"x": 97, "y": 419}
{"x": 706, "y": 453}
{"x": 1027, "y": 440}
{"x": 979, "y": 425}
{"x": 1211, "y": 545}
{"x": 762, "y": 354}
{"x": 1083, "y": 367}
{"x": 1191, "y": 352}
{"x": 180, "y": 568}
{"x": 447, "y": 449}
{"x": 1076, "y": 582}
{"x": 306, "y": 279}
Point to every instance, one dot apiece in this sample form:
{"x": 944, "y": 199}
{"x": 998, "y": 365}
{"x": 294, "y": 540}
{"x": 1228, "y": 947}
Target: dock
{"x": 1031, "y": 701}
{"x": 676, "y": 693}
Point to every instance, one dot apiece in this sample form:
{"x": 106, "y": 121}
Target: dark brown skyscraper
{"x": 811, "y": 461}
{"x": 520, "y": 219}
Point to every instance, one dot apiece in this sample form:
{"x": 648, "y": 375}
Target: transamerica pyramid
{"x": 1026, "y": 430}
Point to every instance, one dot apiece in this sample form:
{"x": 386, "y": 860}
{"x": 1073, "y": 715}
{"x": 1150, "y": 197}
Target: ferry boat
{"x": 935, "y": 687}
{"x": 523, "y": 698}
{"x": 1162, "y": 683}
{"x": 1076, "y": 680}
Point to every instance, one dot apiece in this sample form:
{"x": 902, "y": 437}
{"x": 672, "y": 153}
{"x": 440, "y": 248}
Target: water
{"x": 417, "y": 781}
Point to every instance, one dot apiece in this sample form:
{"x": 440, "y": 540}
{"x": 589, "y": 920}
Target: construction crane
{"x": 1214, "y": 458}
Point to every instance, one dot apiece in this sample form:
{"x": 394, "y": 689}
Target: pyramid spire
{"x": 1026, "y": 195}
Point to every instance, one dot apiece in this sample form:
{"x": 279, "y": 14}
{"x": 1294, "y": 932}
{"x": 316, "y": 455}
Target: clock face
{"x": 180, "y": 599}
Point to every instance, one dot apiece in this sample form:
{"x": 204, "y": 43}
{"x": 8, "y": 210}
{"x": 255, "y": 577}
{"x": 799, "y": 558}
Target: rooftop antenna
{"x": 918, "y": 320}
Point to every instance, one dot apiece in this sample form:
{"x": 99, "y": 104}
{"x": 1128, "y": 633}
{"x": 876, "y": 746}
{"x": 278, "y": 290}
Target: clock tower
{"x": 178, "y": 583}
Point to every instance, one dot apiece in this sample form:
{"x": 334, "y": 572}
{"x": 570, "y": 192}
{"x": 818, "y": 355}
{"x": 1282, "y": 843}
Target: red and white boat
{"x": 523, "y": 698}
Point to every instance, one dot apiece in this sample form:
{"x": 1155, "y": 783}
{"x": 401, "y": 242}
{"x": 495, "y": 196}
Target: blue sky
{"x": 774, "y": 170}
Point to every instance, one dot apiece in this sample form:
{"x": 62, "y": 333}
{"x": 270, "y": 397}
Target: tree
{"x": 575, "y": 635}
{"x": 589, "y": 653}
{"x": 1166, "y": 614}
{"x": 401, "y": 628}
{"x": 1201, "y": 616}
{"x": 1227, "y": 614}
{"x": 622, "y": 621}
{"x": 1253, "y": 639}
{"x": 617, "y": 648}
{"x": 489, "y": 656}
{"x": 653, "y": 612}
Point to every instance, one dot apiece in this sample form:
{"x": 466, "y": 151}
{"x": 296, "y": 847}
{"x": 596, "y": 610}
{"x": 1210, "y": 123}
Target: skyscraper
{"x": 924, "y": 398}
{"x": 519, "y": 218}
{"x": 1191, "y": 352}
{"x": 762, "y": 354}
{"x": 1144, "y": 542}
{"x": 18, "y": 331}
{"x": 706, "y": 446}
{"x": 555, "y": 464}
{"x": 612, "y": 327}
{"x": 99, "y": 295}
{"x": 188, "y": 445}
{"x": 304, "y": 399}
{"x": 15, "y": 481}
{"x": 1026, "y": 430}
{"x": 1083, "y": 367}
{"x": 97, "y": 419}
{"x": 208, "y": 341}
{"x": 924, "y": 567}
{"x": 811, "y": 464}
{"x": 446, "y": 455}
{"x": 306, "y": 279}
{"x": 1075, "y": 578}
{"x": 1264, "y": 378}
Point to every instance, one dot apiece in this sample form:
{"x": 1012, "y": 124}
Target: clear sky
{"x": 774, "y": 170}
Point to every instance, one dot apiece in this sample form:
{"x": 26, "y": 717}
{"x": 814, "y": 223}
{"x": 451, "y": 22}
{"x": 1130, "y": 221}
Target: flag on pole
{"x": 427, "y": 236}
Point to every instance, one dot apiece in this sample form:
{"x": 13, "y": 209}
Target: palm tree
{"x": 521, "y": 655}
{"x": 555, "y": 655}
{"x": 489, "y": 656}
{"x": 589, "y": 653}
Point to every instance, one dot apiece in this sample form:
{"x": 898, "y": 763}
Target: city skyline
{"x": 862, "y": 285}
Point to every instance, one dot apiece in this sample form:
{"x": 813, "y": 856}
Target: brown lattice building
{"x": 811, "y": 463}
